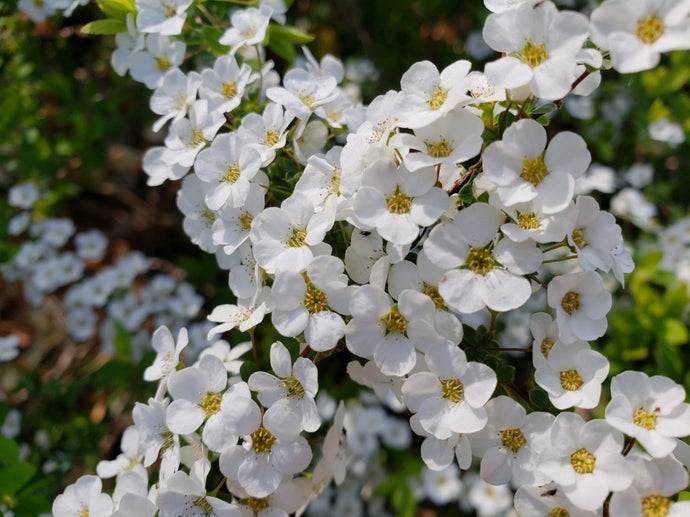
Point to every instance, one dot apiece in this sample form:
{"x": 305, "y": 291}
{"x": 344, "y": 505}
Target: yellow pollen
{"x": 307, "y": 100}
{"x": 249, "y": 33}
{"x": 170, "y": 11}
{"x": 197, "y": 137}
{"x": 578, "y": 237}
{"x": 394, "y": 321}
{"x": 650, "y": 29}
{"x": 232, "y": 173}
{"x": 246, "y": 221}
{"x": 571, "y": 380}
{"x": 644, "y": 419}
{"x": 399, "y": 203}
{"x": 201, "y": 503}
{"x": 84, "y": 512}
{"x": 181, "y": 102}
{"x": 211, "y": 404}
{"x": 432, "y": 292}
{"x": 571, "y": 302}
{"x": 163, "y": 63}
{"x": 38, "y": 3}
{"x": 262, "y": 440}
{"x": 480, "y": 261}
{"x": 452, "y": 389}
{"x": 167, "y": 438}
{"x": 437, "y": 99}
{"x": 229, "y": 90}
{"x": 271, "y": 137}
{"x": 334, "y": 185}
{"x": 513, "y": 439}
{"x": 315, "y": 300}
{"x": 558, "y": 512}
{"x": 655, "y": 506}
{"x": 546, "y": 346}
{"x": 209, "y": 216}
{"x": 534, "y": 171}
{"x": 439, "y": 149}
{"x": 528, "y": 221}
{"x": 533, "y": 54}
{"x": 582, "y": 461}
{"x": 256, "y": 505}
{"x": 297, "y": 238}
{"x": 293, "y": 387}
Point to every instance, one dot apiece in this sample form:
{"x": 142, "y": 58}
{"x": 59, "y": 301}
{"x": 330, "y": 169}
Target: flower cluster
{"x": 403, "y": 232}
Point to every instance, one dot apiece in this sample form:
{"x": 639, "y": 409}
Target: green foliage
{"x": 103, "y": 27}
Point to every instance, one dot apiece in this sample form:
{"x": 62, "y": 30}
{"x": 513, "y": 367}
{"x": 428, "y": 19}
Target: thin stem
{"x": 492, "y": 326}
{"x": 629, "y": 446}
{"x": 261, "y": 73}
{"x": 215, "y": 491}
{"x": 502, "y": 127}
{"x": 575, "y": 84}
{"x": 465, "y": 178}
{"x": 555, "y": 246}
{"x": 254, "y": 351}
{"x": 306, "y": 351}
{"x": 208, "y": 15}
{"x": 569, "y": 257}
{"x": 535, "y": 279}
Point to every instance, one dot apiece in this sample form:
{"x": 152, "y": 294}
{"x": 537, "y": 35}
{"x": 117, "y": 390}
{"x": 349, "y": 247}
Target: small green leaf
{"x": 14, "y": 476}
{"x": 9, "y": 450}
{"x": 539, "y": 398}
{"x": 102, "y": 27}
{"x": 117, "y": 9}
{"x": 247, "y": 368}
{"x": 505, "y": 374}
{"x": 289, "y": 34}
{"x": 672, "y": 332}
{"x": 211, "y": 36}
{"x": 545, "y": 108}
{"x": 403, "y": 500}
{"x": 283, "y": 48}
{"x": 122, "y": 342}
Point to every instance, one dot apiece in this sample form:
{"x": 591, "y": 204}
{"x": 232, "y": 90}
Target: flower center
{"x": 307, "y": 100}
{"x": 201, "y": 503}
{"x": 170, "y": 10}
{"x": 246, "y": 221}
{"x": 582, "y": 461}
{"x": 163, "y": 63}
{"x": 297, "y": 238}
{"x": 644, "y": 419}
{"x": 197, "y": 137}
{"x": 513, "y": 439}
{"x": 315, "y": 300}
{"x": 399, "y": 203}
{"x": 571, "y": 380}
{"x": 256, "y": 505}
{"x": 83, "y": 512}
{"x": 558, "y": 512}
{"x": 394, "y": 321}
{"x": 229, "y": 90}
{"x": 650, "y": 29}
{"x": 437, "y": 99}
{"x": 546, "y": 346}
{"x": 334, "y": 185}
{"x": 167, "y": 439}
{"x": 439, "y": 149}
{"x": 39, "y": 4}
{"x": 533, "y": 54}
{"x": 211, "y": 404}
{"x": 293, "y": 387}
{"x": 232, "y": 173}
{"x": 480, "y": 261}
{"x": 181, "y": 102}
{"x": 432, "y": 292}
{"x": 452, "y": 389}
{"x": 262, "y": 440}
{"x": 578, "y": 237}
{"x": 655, "y": 506}
{"x": 534, "y": 171}
{"x": 208, "y": 216}
{"x": 528, "y": 220}
{"x": 271, "y": 137}
{"x": 571, "y": 302}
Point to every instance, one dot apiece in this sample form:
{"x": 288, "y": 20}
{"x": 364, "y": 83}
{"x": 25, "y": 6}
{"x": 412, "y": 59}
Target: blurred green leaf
{"x": 103, "y": 27}
{"x": 117, "y": 9}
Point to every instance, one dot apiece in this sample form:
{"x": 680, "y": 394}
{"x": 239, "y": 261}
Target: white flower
{"x": 90, "y": 244}
{"x": 84, "y": 497}
{"x": 224, "y": 84}
{"x": 438, "y": 454}
{"x": 187, "y": 136}
{"x": 233, "y": 223}
{"x": 511, "y": 442}
{"x": 528, "y": 221}
{"x": 488, "y": 500}
{"x": 665, "y": 130}
{"x": 428, "y": 95}
{"x": 271, "y": 449}
{"x": 173, "y": 98}
{"x": 541, "y": 44}
{"x": 651, "y": 409}
{"x": 230, "y": 356}
{"x": 397, "y": 201}
{"x": 199, "y": 218}
{"x": 303, "y": 92}
{"x": 245, "y": 315}
{"x": 480, "y": 272}
{"x": 572, "y": 375}
{"x": 534, "y": 501}
{"x": 167, "y": 353}
{"x": 629, "y": 203}
{"x": 585, "y": 459}
{"x": 165, "y": 17}
{"x": 159, "y": 164}
{"x": 310, "y": 302}
{"x": 635, "y": 33}
{"x": 248, "y": 28}
{"x": 266, "y": 132}
{"x": 450, "y": 397}
{"x": 9, "y": 347}
{"x": 295, "y": 386}
{"x": 442, "y": 486}
{"x": 545, "y": 333}
{"x": 150, "y": 66}
{"x": 23, "y": 195}
{"x": 581, "y": 304}
{"x": 523, "y": 168}
{"x": 389, "y": 332}
{"x": 654, "y": 484}
{"x": 129, "y": 460}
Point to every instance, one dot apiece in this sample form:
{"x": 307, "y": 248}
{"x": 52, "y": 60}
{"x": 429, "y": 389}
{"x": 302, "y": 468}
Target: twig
{"x": 465, "y": 178}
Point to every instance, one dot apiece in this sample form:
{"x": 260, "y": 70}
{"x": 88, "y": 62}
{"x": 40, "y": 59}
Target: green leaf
{"x": 117, "y": 9}
{"x": 546, "y": 108}
{"x": 247, "y": 368}
{"x": 505, "y": 374}
{"x": 283, "y": 48}
{"x": 211, "y": 36}
{"x": 13, "y": 476}
{"x": 289, "y": 34}
{"x": 122, "y": 342}
{"x": 403, "y": 500}
{"x": 539, "y": 398}
{"x": 102, "y": 27}
{"x": 9, "y": 450}
{"x": 672, "y": 332}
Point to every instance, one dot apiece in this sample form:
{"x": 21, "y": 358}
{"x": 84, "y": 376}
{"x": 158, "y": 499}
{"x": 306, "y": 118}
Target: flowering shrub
{"x": 427, "y": 236}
